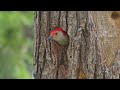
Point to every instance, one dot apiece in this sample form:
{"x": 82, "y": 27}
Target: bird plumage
{"x": 60, "y": 36}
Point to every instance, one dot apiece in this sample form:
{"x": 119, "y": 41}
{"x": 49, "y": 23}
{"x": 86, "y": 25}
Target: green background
{"x": 16, "y": 44}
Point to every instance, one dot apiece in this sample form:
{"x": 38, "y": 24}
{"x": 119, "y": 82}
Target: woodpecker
{"x": 60, "y": 36}
{"x": 60, "y": 44}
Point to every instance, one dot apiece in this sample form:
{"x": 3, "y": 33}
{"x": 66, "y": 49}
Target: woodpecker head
{"x": 60, "y": 36}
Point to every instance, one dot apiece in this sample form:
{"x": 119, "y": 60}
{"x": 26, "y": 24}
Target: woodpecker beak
{"x": 49, "y": 38}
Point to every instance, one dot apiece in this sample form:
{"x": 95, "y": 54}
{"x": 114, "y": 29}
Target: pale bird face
{"x": 57, "y": 36}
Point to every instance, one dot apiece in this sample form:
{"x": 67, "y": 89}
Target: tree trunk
{"x": 94, "y": 49}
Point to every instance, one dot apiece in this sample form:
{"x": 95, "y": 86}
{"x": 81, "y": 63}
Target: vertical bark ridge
{"x": 37, "y": 44}
{"x": 66, "y": 21}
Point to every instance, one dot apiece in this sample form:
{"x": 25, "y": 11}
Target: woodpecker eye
{"x": 56, "y": 33}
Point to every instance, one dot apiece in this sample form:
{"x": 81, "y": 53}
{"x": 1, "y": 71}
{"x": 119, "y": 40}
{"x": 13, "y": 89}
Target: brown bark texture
{"x": 93, "y": 51}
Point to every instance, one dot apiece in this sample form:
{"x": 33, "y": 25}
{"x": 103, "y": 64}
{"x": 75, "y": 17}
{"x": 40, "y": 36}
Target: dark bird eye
{"x": 56, "y": 33}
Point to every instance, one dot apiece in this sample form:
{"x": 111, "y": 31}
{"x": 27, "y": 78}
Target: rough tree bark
{"x": 94, "y": 49}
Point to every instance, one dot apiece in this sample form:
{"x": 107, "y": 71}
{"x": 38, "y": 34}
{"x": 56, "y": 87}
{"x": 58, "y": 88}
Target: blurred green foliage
{"x": 16, "y": 44}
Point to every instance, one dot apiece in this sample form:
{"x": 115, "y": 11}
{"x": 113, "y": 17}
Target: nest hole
{"x": 115, "y": 15}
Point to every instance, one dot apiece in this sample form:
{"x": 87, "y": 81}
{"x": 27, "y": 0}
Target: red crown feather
{"x": 57, "y": 29}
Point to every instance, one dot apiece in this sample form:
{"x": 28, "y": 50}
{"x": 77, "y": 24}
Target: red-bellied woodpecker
{"x": 59, "y": 49}
{"x": 60, "y": 36}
